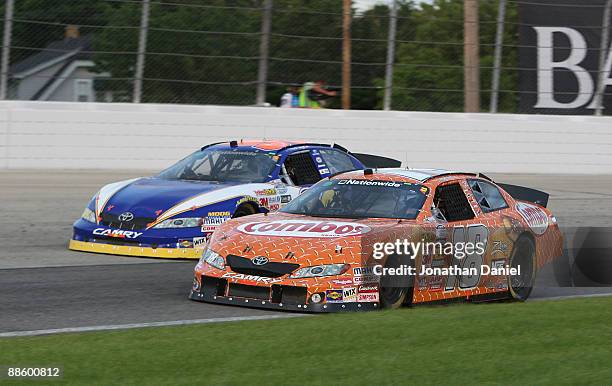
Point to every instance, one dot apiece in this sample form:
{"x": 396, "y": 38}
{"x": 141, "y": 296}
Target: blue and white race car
{"x": 173, "y": 214}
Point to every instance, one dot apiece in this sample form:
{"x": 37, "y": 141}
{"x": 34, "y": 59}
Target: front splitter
{"x": 258, "y": 303}
{"x": 126, "y": 250}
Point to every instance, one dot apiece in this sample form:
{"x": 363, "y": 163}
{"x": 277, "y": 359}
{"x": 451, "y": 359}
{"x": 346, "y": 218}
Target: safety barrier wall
{"x": 149, "y": 136}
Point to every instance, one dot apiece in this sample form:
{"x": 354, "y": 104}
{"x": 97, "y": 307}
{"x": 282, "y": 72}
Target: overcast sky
{"x": 365, "y": 4}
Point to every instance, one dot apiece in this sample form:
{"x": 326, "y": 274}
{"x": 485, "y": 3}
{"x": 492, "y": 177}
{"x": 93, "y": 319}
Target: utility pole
{"x": 346, "y": 54}
{"x": 264, "y": 50}
{"x": 499, "y": 41}
{"x": 471, "y": 65}
{"x": 390, "y": 55}
{"x": 142, "y": 48}
{"x": 603, "y": 54}
{"x": 6, "y": 48}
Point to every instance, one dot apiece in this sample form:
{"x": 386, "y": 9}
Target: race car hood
{"x": 284, "y": 237}
{"x": 156, "y": 198}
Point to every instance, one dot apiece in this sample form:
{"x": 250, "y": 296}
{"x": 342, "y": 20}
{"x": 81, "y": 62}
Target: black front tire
{"x": 244, "y": 210}
{"x": 523, "y": 256}
{"x": 396, "y": 291}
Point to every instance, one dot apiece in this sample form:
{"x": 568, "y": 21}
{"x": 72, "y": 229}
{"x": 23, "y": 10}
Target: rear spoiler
{"x": 526, "y": 194}
{"x": 376, "y": 161}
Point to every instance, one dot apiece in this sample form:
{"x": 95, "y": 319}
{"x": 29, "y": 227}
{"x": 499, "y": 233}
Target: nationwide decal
{"x": 389, "y": 184}
{"x": 117, "y": 233}
{"x": 304, "y": 228}
{"x": 349, "y": 295}
{"x": 254, "y": 278}
{"x": 535, "y": 217}
{"x": 334, "y": 296}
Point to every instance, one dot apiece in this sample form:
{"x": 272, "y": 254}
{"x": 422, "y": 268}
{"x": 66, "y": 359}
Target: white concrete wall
{"x": 148, "y": 136}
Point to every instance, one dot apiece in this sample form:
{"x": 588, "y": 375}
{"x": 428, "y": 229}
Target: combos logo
{"x": 297, "y": 228}
{"x": 535, "y": 217}
{"x": 117, "y": 233}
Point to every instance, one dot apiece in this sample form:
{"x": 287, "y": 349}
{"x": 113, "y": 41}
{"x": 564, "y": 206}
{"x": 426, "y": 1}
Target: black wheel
{"x": 523, "y": 256}
{"x": 244, "y": 210}
{"x": 396, "y": 290}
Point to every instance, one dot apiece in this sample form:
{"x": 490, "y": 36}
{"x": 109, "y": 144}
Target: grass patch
{"x": 552, "y": 342}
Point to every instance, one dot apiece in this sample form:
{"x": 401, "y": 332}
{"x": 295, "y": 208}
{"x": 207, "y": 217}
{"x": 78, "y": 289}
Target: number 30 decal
{"x": 461, "y": 235}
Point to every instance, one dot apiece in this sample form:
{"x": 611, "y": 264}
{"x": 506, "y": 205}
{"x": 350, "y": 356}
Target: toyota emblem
{"x": 126, "y": 217}
{"x": 259, "y": 260}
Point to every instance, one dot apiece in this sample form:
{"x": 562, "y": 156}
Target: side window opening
{"x": 452, "y": 203}
{"x": 336, "y": 160}
{"x": 301, "y": 169}
{"x": 488, "y": 196}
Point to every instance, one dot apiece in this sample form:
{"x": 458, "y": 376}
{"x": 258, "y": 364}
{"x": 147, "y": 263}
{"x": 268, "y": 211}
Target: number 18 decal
{"x": 472, "y": 234}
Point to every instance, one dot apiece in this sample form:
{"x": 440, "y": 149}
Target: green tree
{"x": 429, "y": 70}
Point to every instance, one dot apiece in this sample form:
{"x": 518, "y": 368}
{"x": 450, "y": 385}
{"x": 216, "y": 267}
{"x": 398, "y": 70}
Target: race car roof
{"x": 416, "y": 174}
{"x": 265, "y": 145}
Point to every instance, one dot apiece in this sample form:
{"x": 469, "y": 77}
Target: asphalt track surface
{"x": 45, "y": 286}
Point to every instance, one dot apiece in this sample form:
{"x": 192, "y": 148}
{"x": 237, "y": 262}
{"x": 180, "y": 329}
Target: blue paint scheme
{"x": 146, "y": 196}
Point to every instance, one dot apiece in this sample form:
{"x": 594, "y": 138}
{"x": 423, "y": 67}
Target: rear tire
{"x": 396, "y": 291}
{"x": 523, "y": 256}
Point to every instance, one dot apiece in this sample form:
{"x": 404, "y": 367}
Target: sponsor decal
{"x": 343, "y": 281}
{"x": 254, "y": 278}
{"x": 306, "y": 228}
{"x": 362, "y": 275}
{"x": 199, "y": 242}
{"x": 349, "y": 295}
{"x": 535, "y": 217}
{"x": 266, "y": 192}
{"x": 333, "y": 296}
{"x": 367, "y": 297}
{"x": 118, "y": 233}
{"x": 184, "y": 243}
{"x": 208, "y": 228}
{"x": 219, "y": 214}
{"x": 246, "y": 199}
{"x": 281, "y": 188}
{"x": 368, "y": 293}
{"x": 390, "y": 184}
{"x": 362, "y": 271}
{"x": 323, "y": 171}
{"x": 319, "y": 160}
{"x": 285, "y": 199}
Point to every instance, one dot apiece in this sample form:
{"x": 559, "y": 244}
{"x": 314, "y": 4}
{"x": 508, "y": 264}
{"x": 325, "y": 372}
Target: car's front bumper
{"x": 127, "y": 250}
{"x": 286, "y": 294}
{"x": 161, "y": 243}
{"x": 258, "y": 303}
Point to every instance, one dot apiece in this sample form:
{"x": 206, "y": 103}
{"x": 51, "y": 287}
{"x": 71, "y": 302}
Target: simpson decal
{"x": 297, "y": 228}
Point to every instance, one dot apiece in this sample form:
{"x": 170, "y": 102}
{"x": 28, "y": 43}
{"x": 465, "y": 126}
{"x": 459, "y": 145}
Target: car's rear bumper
{"x": 128, "y": 250}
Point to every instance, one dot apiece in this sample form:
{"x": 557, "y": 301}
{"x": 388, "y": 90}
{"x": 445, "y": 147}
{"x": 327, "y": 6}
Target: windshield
{"x": 360, "y": 199}
{"x": 222, "y": 165}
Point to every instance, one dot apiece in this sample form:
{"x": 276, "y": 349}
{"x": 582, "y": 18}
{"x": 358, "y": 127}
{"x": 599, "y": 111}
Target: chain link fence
{"x": 210, "y": 51}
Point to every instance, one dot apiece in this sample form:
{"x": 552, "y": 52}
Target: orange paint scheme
{"x": 239, "y": 237}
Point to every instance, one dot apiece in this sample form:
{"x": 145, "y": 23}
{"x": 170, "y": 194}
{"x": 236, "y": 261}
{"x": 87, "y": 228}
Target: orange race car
{"x": 369, "y": 239}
